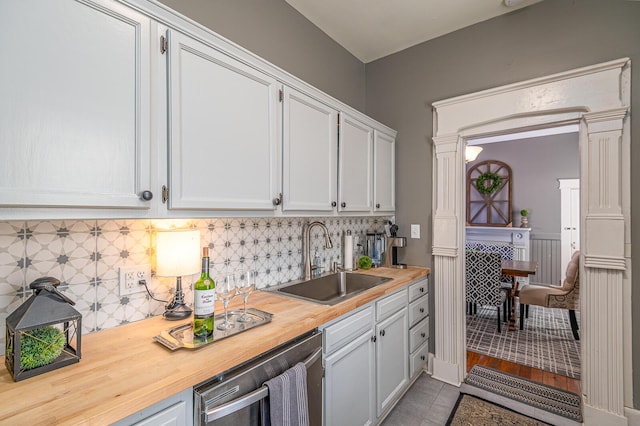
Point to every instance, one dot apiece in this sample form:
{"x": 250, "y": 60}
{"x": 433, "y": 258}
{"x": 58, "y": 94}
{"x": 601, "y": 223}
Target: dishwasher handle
{"x": 252, "y": 397}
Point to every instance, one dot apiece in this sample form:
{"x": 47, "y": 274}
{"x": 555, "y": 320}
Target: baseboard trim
{"x": 446, "y": 372}
{"x": 633, "y": 416}
{"x": 597, "y": 417}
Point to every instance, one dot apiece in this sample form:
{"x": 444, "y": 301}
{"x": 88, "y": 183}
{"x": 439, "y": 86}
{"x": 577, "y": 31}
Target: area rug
{"x": 545, "y": 343}
{"x": 472, "y": 411}
{"x": 548, "y": 398}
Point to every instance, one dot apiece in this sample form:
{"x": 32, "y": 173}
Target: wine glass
{"x": 245, "y": 284}
{"x": 226, "y": 289}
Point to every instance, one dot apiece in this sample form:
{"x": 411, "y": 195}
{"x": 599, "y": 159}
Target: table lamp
{"x": 177, "y": 254}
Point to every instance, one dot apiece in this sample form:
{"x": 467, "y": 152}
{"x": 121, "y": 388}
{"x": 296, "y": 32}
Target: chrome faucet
{"x": 306, "y": 245}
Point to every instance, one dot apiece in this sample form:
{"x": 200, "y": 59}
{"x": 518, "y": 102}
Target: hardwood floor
{"x": 540, "y": 376}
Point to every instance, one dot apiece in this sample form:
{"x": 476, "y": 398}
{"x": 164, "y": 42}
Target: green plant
{"x": 41, "y": 346}
{"x": 365, "y": 262}
{"x": 524, "y": 212}
{"x": 481, "y": 183}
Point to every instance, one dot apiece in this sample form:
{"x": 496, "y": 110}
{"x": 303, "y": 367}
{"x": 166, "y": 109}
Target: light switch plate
{"x": 415, "y": 230}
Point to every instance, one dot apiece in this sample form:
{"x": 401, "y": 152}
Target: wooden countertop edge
{"x": 106, "y": 385}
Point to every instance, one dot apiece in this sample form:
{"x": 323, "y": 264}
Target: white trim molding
{"x": 597, "y": 98}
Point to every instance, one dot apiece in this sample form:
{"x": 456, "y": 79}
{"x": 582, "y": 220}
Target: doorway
{"x": 597, "y": 98}
{"x": 569, "y": 217}
{"x": 545, "y": 351}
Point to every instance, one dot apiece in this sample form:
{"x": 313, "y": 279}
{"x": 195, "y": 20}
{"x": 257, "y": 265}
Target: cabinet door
{"x": 355, "y": 157}
{"x": 392, "y": 359}
{"x": 310, "y": 154}
{"x": 349, "y": 383}
{"x": 223, "y": 120}
{"x": 74, "y": 104}
{"x": 384, "y": 175}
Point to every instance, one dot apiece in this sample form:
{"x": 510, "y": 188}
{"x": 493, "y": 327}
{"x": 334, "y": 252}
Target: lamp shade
{"x": 177, "y": 253}
{"x": 471, "y": 153}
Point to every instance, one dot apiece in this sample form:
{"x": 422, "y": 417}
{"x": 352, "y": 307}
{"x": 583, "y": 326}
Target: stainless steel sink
{"x": 333, "y": 288}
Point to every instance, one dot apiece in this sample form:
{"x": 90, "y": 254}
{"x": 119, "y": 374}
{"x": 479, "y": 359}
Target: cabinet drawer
{"x": 390, "y": 305}
{"x": 343, "y": 332}
{"x": 419, "y": 359}
{"x": 418, "y": 289}
{"x": 418, "y": 310}
{"x": 418, "y": 334}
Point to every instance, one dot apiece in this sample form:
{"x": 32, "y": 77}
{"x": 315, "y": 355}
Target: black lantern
{"x": 44, "y": 333}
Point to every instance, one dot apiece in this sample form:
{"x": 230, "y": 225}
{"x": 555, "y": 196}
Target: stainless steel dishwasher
{"x": 236, "y": 397}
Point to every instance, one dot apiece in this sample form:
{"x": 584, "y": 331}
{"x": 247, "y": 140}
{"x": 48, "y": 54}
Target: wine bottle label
{"x": 204, "y": 302}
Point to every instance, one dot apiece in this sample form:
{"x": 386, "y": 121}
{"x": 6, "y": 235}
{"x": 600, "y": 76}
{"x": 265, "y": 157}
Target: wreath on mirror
{"x": 481, "y": 183}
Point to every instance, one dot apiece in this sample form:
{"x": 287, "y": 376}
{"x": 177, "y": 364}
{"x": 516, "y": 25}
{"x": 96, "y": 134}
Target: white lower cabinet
{"x": 392, "y": 356}
{"x": 366, "y": 362}
{"x": 349, "y": 383}
{"x": 176, "y": 410}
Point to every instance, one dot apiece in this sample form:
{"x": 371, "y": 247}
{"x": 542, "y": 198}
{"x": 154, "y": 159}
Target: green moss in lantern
{"x": 41, "y": 346}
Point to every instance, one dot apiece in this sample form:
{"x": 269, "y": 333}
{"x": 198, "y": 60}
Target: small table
{"x": 517, "y": 268}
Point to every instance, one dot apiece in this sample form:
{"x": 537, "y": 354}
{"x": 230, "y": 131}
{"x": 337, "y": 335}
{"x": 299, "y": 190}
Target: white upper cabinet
{"x": 355, "y": 158}
{"x": 74, "y": 104}
{"x": 384, "y": 193}
{"x": 223, "y": 130}
{"x": 310, "y": 141}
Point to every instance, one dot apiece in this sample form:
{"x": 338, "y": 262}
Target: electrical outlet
{"x": 130, "y": 279}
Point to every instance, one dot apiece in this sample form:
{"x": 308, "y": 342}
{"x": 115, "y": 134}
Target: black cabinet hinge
{"x": 281, "y": 95}
{"x": 165, "y": 194}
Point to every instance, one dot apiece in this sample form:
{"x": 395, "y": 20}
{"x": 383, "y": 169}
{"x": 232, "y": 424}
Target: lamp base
{"x": 176, "y": 311}
{"x": 176, "y": 308}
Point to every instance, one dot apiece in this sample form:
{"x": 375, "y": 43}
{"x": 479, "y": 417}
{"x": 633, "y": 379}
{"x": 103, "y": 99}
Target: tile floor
{"x": 428, "y": 402}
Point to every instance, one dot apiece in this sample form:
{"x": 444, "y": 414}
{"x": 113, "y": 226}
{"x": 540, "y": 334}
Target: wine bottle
{"x": 204, "y": 293}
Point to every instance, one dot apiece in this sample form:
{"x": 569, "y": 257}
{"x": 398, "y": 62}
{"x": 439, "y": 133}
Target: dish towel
{"x": 288, "y": 403}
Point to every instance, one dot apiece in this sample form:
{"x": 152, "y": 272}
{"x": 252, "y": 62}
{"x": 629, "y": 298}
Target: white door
{"x": 392, "y": 359}
{"x": 310, "y": 153}
{"x": 223, "y": 120}
{"x": 569, "y": 219}
{"x": 355, "y": 157}
{"x": 384, "y": 183}
{"x": 74, "y": 104}
{"x": 349, "y": 383}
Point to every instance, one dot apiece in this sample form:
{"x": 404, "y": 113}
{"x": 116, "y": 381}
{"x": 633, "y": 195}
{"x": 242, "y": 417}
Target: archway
{"x": 598, "y": 98}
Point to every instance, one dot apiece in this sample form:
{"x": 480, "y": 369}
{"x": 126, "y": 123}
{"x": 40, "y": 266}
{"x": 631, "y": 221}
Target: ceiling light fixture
{"x": 471, "y": 153}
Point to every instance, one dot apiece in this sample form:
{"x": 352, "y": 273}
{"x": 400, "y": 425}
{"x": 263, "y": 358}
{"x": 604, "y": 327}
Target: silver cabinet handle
{"x": 278, "y": 200}
{"x": 255, "y": 396}
{"x": 343, "y": 204}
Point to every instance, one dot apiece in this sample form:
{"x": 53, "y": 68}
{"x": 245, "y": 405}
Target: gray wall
{"x": 276, "y": 32}
{"x": 548, "y": 37}
{"x": 536, "y": 165}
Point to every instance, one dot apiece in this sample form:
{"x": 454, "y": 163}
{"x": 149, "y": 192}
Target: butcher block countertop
{"x": 123, "y": 370}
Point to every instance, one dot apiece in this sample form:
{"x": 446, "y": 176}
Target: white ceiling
{"x": 371, "y": 29}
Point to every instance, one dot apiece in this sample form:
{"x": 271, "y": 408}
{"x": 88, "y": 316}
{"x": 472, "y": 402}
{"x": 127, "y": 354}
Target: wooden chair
{"x": 483, "y": 287}
{"x": 566, "y": 296}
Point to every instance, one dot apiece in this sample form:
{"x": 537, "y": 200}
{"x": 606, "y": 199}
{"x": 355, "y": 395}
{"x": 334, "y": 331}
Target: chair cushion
{"x": 571, "y": 275}
{"x": 538, "y": 295}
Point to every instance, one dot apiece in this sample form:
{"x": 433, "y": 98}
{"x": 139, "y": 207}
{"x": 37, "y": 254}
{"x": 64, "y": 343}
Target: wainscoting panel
{"x": 545, "y": 249}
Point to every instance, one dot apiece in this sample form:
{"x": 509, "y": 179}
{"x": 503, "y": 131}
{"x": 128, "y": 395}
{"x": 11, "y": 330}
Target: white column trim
{"x": 450, "y": 330}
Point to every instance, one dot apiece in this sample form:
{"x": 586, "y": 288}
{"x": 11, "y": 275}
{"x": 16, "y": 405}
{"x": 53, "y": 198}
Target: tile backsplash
{"x": 85, "y": 255}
